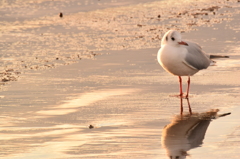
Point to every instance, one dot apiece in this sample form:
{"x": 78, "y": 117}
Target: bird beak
{"x": 183, "y": 43}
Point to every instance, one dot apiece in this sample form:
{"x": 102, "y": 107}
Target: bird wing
{"x": 195, "y": 57}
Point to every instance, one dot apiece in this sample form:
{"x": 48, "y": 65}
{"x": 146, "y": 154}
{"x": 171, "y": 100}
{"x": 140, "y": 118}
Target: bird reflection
{"x": 181, "y": 106}
{"x": 186, "y": 132}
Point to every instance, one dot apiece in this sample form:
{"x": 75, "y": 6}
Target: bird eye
{"x": 173, "y": 38}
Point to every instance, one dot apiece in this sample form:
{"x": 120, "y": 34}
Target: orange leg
{"x": 180, "y": 86}
{"x": 188, "y": 86}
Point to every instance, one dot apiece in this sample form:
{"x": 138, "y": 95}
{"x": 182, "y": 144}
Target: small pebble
{"x": 91, "y": 127}
{"x": 60, "y": 15}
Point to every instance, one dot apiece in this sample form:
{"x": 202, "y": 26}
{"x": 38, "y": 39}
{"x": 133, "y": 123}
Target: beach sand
{"x": 88, "y": 85}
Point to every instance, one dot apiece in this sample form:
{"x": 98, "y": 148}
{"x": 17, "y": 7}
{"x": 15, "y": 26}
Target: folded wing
{"x": 195, "y": 57}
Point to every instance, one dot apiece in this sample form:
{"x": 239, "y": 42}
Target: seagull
{"x": 183, "y": 58}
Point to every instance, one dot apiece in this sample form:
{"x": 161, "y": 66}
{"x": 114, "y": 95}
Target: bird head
{"x": 172, "y": 37}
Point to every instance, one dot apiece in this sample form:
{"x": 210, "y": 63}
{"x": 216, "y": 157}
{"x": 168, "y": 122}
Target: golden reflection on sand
{"x": 26, "y": 134}
{"x": 86, "y": 99}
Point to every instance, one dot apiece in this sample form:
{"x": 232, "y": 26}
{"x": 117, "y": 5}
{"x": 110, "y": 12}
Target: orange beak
{"x": 183, "y": 43}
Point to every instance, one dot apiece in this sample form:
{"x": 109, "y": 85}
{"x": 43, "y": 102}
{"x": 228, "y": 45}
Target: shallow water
{"x": 125, "y": 96}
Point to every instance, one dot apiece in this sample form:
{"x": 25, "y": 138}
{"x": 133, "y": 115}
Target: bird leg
{"x": 180, "y": 86}
{"x": 188, "y": 86}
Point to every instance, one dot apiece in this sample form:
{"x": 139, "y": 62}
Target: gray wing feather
{"x": 196, "y": 57}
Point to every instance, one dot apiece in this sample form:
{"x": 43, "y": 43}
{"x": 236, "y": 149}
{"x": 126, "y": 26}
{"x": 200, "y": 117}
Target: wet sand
{"x": 125, "y": 95}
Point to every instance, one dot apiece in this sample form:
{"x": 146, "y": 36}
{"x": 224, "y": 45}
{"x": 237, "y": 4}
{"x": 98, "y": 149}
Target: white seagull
{"x": 182, "y": 58}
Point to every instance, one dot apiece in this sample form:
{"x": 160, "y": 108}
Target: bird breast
{"x": 172, "y": 60}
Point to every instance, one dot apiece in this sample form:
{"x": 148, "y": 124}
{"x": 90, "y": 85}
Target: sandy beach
{"x": 88, "y": 84}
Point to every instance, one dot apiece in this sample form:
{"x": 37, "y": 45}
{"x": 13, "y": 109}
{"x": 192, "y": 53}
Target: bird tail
{"x": 218, "y": 56}
{"x": 213, "y": 63}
